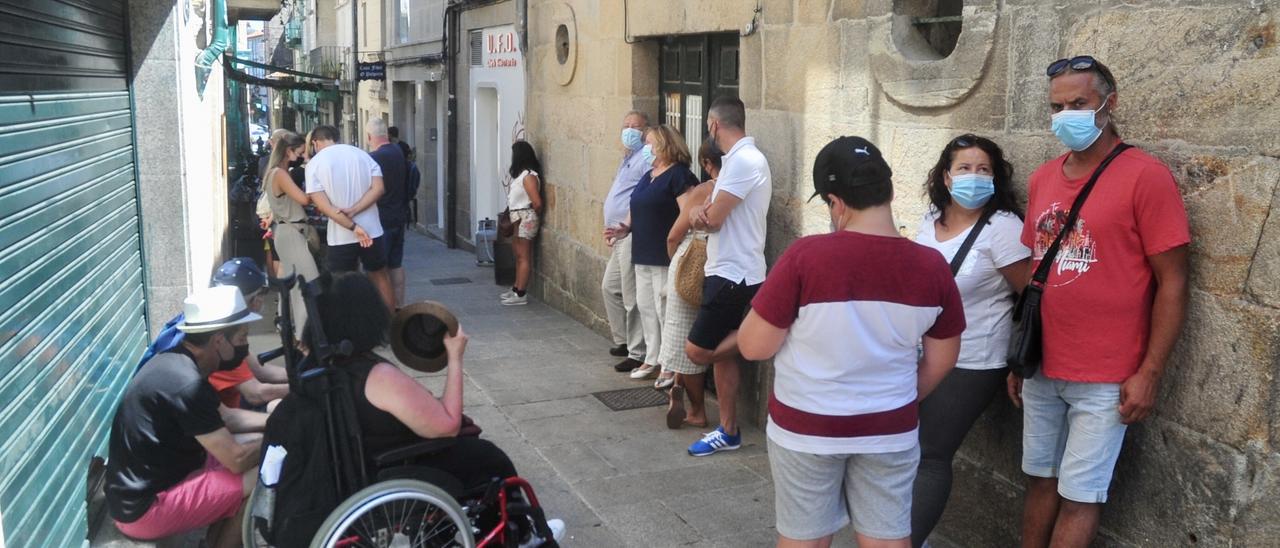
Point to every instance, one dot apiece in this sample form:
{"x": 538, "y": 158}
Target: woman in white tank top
{"x": 524, "y": 199}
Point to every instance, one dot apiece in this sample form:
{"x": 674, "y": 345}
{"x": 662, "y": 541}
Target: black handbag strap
{"x": 1042, "y": 271}
{"x": 968, "y": 242}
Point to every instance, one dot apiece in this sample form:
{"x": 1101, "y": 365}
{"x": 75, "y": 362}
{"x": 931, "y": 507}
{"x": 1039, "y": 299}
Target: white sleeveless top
{"x": 517, "y": 197}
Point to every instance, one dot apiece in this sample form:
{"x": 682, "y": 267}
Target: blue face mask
{"x": 972, "y": 190}
{"x": 646, "y": 154}
{"x": 1078, "y": 129}
{"x": 632, "y": 138}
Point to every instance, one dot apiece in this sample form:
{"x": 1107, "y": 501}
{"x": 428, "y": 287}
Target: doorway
{"x": 694, "y": 71}
{"x": 486, "y": 155}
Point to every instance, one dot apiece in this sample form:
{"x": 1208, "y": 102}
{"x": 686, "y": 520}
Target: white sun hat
{"x": 215, "y": 308}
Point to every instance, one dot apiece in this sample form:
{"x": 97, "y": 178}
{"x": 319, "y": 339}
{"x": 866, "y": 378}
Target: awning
{"x": 325, "y": 83}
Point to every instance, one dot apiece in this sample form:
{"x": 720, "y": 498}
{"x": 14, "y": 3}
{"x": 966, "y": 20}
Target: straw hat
{"x": 417, "y": 335}
{"x": 215, "y": 308}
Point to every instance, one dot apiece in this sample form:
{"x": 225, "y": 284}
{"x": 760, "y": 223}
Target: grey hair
{"x": 639, "y": 114}
{"x": 729, "y": 111}
{"x": 376, "y": 127}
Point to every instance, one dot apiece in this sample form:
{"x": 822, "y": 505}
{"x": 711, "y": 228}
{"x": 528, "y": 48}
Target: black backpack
{"x": 310, "y": 488}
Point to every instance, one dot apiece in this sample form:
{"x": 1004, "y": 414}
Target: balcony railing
{"x": 293, "y": 33}
{"x": 328, "y": 61}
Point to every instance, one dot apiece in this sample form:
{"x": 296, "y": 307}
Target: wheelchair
{"x": 398, "y": 503}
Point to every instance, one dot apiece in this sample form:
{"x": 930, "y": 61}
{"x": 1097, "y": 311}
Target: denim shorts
{"x": 817, "y": 495}
{"x": 1072, "y": 431}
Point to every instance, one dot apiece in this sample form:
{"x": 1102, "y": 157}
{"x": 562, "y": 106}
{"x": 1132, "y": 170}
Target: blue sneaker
{"x": 714, "y": 441}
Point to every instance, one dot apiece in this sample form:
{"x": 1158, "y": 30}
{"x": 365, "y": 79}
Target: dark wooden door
{"x": 694, "y": 71}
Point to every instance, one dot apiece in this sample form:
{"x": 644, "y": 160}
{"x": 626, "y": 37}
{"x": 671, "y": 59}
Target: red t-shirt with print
{"x": 1097, "y": 302}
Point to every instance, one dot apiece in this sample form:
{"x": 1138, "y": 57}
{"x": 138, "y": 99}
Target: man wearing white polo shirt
{"x": 735, "y": 216}
{"x": 844, "y": 313}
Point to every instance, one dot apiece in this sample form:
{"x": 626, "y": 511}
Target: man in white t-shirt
{"x": 345, "y": 183}
{"x": 735, "y": 215}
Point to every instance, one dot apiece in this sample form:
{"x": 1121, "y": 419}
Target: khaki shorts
{"x": 527, "y": 223}
{"x": 817, "y": 495}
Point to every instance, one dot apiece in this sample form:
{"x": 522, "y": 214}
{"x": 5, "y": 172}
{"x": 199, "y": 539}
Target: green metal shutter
{"x": 71, "y": 282}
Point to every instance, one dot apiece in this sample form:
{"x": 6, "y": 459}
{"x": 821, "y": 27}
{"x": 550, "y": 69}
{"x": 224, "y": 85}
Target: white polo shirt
{"x": 736, "y": 251}
{"x": 344, "y": 173}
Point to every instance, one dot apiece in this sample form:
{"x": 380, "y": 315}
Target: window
{"x": 402, "y": 21}
{"x": 694, "y": 71}
{"x": 934, "y": 27}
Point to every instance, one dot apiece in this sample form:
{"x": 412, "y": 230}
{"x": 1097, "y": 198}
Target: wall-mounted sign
{"x": 501, "y": 48}
{"x": 371, "y": 71}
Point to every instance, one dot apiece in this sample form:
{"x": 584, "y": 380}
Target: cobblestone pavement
{"x": 616, "y": 478}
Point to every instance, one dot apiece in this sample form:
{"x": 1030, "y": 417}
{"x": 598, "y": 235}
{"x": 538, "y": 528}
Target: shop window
{"x": 694, "y": 71}
{"x": 934, "y": 27}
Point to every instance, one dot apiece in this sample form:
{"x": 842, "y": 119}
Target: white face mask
{"x": 632, "y": 138}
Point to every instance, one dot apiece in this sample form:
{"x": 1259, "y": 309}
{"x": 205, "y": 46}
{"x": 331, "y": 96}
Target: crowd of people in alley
{"x": 198, "y": 424}
{"x": 886, "y": 349}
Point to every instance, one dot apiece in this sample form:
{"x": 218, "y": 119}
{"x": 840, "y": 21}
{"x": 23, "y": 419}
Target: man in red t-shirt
{"x": 250, "y": 385}
{"x": 1113, "y": 306}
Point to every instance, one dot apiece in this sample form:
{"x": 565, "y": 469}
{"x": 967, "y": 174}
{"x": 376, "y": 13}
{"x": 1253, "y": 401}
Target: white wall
{"x": 497, "y": 92}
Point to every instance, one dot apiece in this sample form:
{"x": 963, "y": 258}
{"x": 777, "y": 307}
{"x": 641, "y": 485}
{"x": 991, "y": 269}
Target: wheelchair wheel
{"x": 396, "y": 513}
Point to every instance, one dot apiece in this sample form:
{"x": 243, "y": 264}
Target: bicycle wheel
{"x": 396, "y": 513}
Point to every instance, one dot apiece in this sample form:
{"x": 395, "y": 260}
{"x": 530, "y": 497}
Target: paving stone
{"x": 625, "y": 489}
{"x": 648, "y": 524}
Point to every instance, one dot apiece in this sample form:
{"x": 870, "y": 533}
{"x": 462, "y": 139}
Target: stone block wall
{"x": 1197, "y": 88}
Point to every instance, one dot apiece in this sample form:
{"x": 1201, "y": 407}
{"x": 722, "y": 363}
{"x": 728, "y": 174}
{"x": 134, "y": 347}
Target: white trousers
{"x": 651, "y": 299}
{"x": 619, "y": 290}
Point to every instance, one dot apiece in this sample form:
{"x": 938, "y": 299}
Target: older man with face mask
{"x": 619, "y": 284}
{"x": 1115, "y": 296}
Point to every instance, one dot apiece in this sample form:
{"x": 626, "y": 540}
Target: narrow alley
{"x": 617, "y": 478}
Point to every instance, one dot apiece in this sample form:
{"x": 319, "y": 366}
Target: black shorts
{"x": 395, "y": 245}
{"x": 724, "y": 305}
{"x": 344, "y": 258}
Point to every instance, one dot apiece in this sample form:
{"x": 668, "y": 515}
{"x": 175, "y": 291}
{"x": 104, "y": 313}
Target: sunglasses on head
{"x": 1081, "y": 63}
{"x": 964, "y": 141}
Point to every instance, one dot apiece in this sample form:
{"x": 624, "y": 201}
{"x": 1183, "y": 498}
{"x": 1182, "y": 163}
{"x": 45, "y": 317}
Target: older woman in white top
{"x": 971, "y": 191}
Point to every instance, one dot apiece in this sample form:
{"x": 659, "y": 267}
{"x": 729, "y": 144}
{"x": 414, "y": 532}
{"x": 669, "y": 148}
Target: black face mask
{"x": 241, "y": 352}
{"x": 297, "y": 162}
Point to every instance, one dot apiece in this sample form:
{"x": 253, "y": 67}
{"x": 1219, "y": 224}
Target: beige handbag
{"x": 689, "y": 273}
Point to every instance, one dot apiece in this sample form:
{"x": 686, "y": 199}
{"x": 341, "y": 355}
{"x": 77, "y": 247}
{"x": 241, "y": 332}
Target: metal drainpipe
{"x": 451, "y": 130}
{"x": 221, "y": 40}
{"x": 355, "y": 69}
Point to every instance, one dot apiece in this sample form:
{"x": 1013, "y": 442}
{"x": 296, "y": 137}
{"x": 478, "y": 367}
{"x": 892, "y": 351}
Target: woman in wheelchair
{"x": 392, "y": 409}
{"x": 406, "y": 431}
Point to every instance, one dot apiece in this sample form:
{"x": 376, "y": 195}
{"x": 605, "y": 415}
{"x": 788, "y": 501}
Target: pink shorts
{"x": 207, "y": 496}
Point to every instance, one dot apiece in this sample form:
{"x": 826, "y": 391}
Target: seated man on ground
{"x": 173, "y": 465}
{"x": 251, "y": 387}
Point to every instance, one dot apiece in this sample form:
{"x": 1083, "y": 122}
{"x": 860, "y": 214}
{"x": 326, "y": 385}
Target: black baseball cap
{"x": 849, "y": 162}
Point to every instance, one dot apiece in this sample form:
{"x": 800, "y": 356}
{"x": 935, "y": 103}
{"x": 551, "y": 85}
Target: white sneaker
{"x": 506, "y": 294}
{"x": 557, "y": 528}
{"x": 645, "y": 371}
{"x": 515, "y": 300}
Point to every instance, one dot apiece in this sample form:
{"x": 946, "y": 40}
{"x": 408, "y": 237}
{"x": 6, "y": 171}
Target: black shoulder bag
{"x": 1026, "y": 347}
{"x": 968, "y": 242}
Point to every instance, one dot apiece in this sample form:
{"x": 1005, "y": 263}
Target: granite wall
{"x": 1197, "y": 88}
